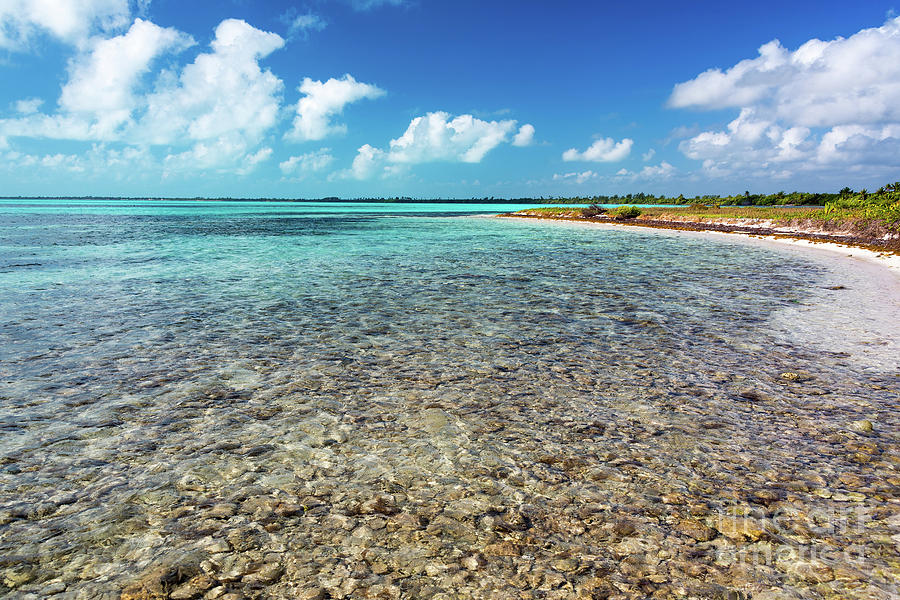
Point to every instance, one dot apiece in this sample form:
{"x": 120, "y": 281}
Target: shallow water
{"x": 291, "y": 400}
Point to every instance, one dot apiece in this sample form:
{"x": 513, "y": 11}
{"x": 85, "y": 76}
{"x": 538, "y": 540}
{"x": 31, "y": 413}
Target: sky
{"x": 441, "y": 99}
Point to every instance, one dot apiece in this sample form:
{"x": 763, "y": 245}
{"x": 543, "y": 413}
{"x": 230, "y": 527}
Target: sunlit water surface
{"x": 281, "y": 399}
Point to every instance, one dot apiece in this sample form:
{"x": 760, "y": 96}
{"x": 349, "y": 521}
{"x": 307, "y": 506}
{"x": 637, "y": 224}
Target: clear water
{"x": 172, "y": 373}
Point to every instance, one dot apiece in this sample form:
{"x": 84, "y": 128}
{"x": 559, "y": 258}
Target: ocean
{"x": 414, "y": 400}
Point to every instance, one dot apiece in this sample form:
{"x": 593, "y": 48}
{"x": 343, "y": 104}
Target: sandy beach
{"x": 888, "y": 260}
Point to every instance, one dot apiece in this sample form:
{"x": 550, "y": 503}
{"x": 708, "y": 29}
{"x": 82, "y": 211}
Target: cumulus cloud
{"x": 367, "y": 162}
{"x": 663, "y": 170}
{"x": 363, "y": 5}
{"x": 525, "y": 136}
{"x": 222, "y": 93}
{"x": 250, "y": 161}
{"x": 28, "y": 106}
{"x": 821, "y": 105}
{"x": 101, "y": 83}
{"x": 322, "y": 101}
{"x": 746, "y": 82}
{"x": 648, "y": 154}
{"x": 821, "y": 84}
{"x": 301, "y": 25}
{"x": 603, "y": 150}
{"x": 227, "y": 153}
{"x": 219, "y": 106}
{"x": 576, "y": 177}
{"x": 310, "y": 162}
{"x": 71, "y": 21}
{"x": 857, "y": 144}
{"x": 124, "y": 163}
{"x": 99, "y": 98}
{"x": 437, "y": 137}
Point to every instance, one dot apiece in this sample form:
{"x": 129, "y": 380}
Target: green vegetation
{"x": 883, "y": 205}
{"x": 864, "y": 210}
{"x": 741, "y": 199}
{"x": 712, "y": 213}
{"x": 627, "y": 212}
{"x": 871, "y": 219}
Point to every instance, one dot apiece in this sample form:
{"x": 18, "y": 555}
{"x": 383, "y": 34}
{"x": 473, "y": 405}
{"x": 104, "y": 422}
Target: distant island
{"x": 743, "y": 199}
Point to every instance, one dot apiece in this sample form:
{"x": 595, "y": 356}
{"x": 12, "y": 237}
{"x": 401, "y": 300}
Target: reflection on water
{"x": 282, "y": 401}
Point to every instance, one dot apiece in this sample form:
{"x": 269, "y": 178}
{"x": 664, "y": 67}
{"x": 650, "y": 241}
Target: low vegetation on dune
{"x": 883, "y": 205}
{"x": 627, "y": 212}
{"x": 867, "y": 217}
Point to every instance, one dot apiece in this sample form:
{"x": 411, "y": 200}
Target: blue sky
{"x": 460, "y": 99}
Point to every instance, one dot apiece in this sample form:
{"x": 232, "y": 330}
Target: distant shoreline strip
{"x": 876, "y": 245}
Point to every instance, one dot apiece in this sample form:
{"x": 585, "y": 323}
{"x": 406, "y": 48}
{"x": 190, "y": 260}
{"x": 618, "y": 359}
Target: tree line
{"x": 888, "y": 192}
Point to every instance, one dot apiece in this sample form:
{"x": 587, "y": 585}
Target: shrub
{"x": 627, "y": 212}
{"x": 592, "y": 211}
{"x": 884, "y": 207}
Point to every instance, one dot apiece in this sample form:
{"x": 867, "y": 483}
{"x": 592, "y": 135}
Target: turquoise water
{"x": 171, "y": 373}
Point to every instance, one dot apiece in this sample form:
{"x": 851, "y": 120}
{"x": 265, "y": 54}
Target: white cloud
{"x": 826, "y": 104}
{"x": 219, "y": 106}
{"x": 367, "y": 162}
{"x": 124, "y": 163}
{"x": 525, "y": 136}
{"x": 99, "y": 99}
{"x": 322, "y": 101}
{"x": 250, "y": 161}
{"x": 576, "y": 177}
{"x": 650, "y": 172}
{"x": 222, "y": 93}
{"x": 371, "y": 4}
{"x": 138, "y": 162}
{"x": 29, "y": 106}
{"x": 101, "y": 83}
{"x": 307, "y": 163}
{"x": 72, "y": 21}
{"x": 143, "y": 7}
{"x": 661, "y": 171}
{"x": 603, "y": 150}
{"x": 437, "y": 137}
{"x": 821, "y": 84}
{"x": 303, "y": 24}
{"x": 648, "y": 154}
{"x": 857, "y": 144}
{"x": 745, "y": 83}
{"x": 37, "y": 125}
{"x": 227, "y": 153}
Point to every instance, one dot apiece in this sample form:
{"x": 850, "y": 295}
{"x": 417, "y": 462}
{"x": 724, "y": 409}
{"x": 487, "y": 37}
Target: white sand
{"x": 862, "y": 320}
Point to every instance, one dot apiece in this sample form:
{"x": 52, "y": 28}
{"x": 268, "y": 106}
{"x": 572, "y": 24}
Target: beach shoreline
{"x": 863, "y": 291}
{"x": 753, "y": 228}
{"x": 446, "y": 406}
{"x": 887, "y": 257}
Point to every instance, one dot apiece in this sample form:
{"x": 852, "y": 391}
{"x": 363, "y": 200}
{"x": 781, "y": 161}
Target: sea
{"x": 362, "y": 400}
